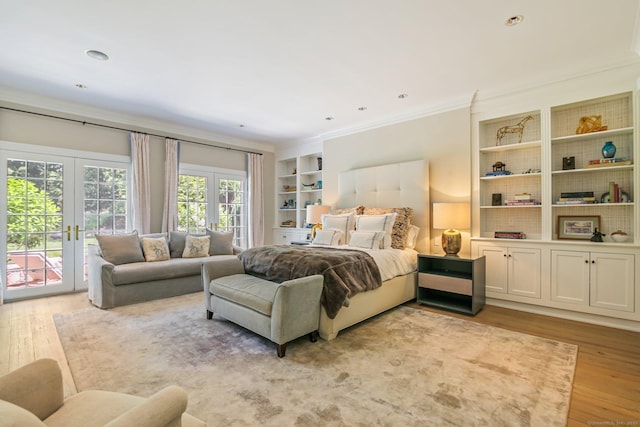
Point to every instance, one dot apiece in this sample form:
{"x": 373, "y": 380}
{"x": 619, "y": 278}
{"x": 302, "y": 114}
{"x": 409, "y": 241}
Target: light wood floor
{"x": 606, "y": 387}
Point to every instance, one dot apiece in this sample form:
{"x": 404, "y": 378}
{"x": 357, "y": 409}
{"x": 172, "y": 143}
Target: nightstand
{"x": 451, "y": 283}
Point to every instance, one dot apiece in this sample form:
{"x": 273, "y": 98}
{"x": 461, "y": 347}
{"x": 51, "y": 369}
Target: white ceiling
{"x": 280, "y": 67}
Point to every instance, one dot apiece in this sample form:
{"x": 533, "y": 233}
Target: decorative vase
{"x": 319, "y": 163}
{"x": 608, "y": 150}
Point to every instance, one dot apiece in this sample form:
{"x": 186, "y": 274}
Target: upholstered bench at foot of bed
{"x": 280, "y": 312}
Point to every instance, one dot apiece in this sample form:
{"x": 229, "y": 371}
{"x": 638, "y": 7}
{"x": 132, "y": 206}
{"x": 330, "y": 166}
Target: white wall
{"x": 443, "y": 139}
{"x": 51, "y": 132}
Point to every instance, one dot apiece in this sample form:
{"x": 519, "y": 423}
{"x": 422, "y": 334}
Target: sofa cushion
{"x": 92, "y": 408}
{"x": 155, "y": 248}
{"x": 127, "y": 274}
{"x": 196, "y": 246}
{"x": 221, "y": 242}
{"x": 249, "y": 291}
{"x": 120, "y": 248}
{"x": 14, "y": 416}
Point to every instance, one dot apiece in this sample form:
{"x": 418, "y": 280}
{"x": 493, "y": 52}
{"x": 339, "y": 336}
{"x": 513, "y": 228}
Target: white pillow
{"x": 412, "y": 236}
{"x": 366, "y": 239}
{"x": 343, "y": 222}
{"x": 329, "y": 237}
{"x": 196, "y": 246}
{"x": 155, "y": 248}
{"x": 378, "y": 223}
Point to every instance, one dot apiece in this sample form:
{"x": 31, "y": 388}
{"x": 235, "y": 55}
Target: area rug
{"x": 406, "y": 367}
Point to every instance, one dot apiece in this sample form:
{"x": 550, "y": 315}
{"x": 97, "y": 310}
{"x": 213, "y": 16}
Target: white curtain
{"x": 256, "y": 200}
{"x": 140, "y": 185}
{"x": 171, "y": 166}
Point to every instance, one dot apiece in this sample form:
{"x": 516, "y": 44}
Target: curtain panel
{"x": 140, "y": 183}
{"x": 255, "y": 200}
{"x": 171, "y": 169}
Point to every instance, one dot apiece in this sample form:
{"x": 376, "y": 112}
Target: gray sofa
{"x": 122, "y": 282}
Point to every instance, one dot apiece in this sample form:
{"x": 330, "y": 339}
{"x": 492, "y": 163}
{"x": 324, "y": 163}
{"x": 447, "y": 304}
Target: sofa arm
{"x": 100, "y": 277}
{"x": 164, "y": 408}
{"x": 218, "y": 268}
{"x": 296, "y": 308}
{"x": 237, "y": 250}
{"x": 36, "y": 387}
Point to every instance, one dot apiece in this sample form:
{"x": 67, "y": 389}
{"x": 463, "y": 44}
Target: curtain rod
{"x": 127, "y": 130}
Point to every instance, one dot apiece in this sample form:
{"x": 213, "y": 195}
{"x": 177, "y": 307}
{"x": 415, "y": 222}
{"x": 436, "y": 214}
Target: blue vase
{"x": 608, "y": 150}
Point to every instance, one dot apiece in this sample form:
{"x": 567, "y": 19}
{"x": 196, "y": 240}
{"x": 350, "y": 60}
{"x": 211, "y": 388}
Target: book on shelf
{"x": 574, "y": 194}
{"x": 616, "y": 161}
{"x": 521, "y": 202}
{"x": 575, "y": 202}
{"x": 509, "y": 235}
{"x": 497, "y": 173}
{"x": 522, "y": 196}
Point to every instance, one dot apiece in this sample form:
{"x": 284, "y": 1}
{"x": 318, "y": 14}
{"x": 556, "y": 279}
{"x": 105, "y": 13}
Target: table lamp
{"x": 450, "y": 217}
{"x": 314, "y": 217}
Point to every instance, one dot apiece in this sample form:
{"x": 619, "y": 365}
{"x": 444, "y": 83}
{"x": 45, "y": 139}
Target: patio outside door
{"x": 48, "y": 203}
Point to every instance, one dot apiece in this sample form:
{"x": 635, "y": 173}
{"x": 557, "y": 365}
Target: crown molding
{"x": 136, "y": 122}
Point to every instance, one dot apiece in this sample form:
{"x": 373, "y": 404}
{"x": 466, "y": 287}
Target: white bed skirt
{"x": 364, "y": 305}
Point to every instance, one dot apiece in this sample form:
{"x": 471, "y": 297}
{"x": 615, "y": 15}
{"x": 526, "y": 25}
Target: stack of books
{"x": 615, "y": 194}
{"x": 522, "y": 199}
{"x": 498, "y": 173}
{"x": 576, "y": 198}
{"x": 509, "y": 235}
{"x": 616, "y": 161}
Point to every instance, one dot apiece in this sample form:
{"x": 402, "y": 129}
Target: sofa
{"x": 33, "y": 396}
{"x": 130, "y": 268}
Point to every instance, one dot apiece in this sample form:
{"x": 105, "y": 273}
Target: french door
{"x": 52, "y": 206}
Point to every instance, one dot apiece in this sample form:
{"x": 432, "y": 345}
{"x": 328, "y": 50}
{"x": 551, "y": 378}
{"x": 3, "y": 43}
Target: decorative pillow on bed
{"x": 155, "y": 248}
{"x": 329, "y": 237}
{"x": 343, "y": 222}
{"x": 120, "y": 248}
{"x": 358, "y": 210}
{"x": 382, "y": 223}
{"x": 221, "y": 242}
{"x": 400, "y": 226}
{"x": 412, "y": 236}
{"x": 366, "y": 239}
{"x": 196, "y": 246}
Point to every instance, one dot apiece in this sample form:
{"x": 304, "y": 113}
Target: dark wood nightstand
{"x": 451, "y": 283}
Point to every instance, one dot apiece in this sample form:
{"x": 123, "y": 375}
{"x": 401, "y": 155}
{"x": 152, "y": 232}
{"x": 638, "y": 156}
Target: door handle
{"x": 78, "y": 232}
{"x": 68, "y": 231}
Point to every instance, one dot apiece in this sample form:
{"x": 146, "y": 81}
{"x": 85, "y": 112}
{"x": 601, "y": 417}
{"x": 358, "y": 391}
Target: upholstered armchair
{"x": 33, "y": 396}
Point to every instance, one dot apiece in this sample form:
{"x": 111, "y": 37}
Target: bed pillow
{"x": 196, "y": 246}
{"x": 120, "y": 248}
{"x": 400, "y": 226}
{"x": 412, "y": 236}
{"x": 343, "y": 222}
{"x": 330, "y": 237}
{"x": 155, "y": 248}
{"x": 221, "y": 242}
{"x": 366, "y": 239}
{"x": 382, "y": 223}
{"x": 357, "y": 210}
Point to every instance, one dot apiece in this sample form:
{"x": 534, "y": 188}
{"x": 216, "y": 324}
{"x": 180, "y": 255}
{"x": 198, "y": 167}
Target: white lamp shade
{"x": 315, "y": 212}
{"x": 451, "y": 215}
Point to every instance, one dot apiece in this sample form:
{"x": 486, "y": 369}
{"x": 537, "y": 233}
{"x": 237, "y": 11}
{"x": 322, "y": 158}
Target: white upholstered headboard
{"x": 394, "y": 185}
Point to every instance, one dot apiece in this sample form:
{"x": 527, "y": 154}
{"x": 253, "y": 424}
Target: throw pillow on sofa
{"x": 221, "y": 242}
{"x": 120, "y": 248}
{"x": 155, "y": 248}
{"x": 196, "y": 246}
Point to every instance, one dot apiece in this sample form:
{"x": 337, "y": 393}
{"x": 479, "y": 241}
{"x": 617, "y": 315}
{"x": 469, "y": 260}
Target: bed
{"x": 386, "y": 186}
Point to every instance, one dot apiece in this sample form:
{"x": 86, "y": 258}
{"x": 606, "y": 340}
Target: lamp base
{"x": 451, "y": 242}
{"x": 314, "y": 229}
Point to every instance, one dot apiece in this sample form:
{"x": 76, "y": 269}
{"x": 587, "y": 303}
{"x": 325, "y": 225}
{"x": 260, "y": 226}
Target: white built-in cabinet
{"x": 598, "y": 281}
{"x": 511, "y": 270}
{"x": 298, "y": 184}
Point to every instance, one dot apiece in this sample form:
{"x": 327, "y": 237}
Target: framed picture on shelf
{"x": 574, "y": 227}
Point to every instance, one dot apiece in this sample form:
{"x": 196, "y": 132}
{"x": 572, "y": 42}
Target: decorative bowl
{"x": 619, "y": 236}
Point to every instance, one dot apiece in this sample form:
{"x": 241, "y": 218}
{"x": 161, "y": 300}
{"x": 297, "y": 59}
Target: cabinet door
{"x": 524, "y": 272}
{"x": 496, "y": 268}
{"x": 612, "y": 281}
{"x": 570, "y": 277}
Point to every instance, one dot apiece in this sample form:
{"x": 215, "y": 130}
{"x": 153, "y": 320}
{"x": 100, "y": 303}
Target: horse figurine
{"x": 517, "y": 128}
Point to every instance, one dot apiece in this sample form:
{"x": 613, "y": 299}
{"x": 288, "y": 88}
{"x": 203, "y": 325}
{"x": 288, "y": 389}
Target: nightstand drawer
{"x": 445, "y": 283}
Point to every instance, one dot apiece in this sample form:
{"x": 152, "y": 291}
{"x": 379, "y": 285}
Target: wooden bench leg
{"x": 209, "y": 314}
{"x": 282, "y": 348}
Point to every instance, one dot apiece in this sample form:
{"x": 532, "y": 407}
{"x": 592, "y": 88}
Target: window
{"x": 215, "y": 199}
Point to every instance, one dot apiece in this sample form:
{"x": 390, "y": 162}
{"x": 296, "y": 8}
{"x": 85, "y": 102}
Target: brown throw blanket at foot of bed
{"x": 346, "y": 272}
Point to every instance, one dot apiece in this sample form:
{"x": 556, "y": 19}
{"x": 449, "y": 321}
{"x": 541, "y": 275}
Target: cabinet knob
{"x": 586, "y": 261}
{"x": 593, "y": 261}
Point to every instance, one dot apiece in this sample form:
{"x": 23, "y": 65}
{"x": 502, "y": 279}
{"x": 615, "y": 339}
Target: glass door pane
{"x": 231, "y": 208}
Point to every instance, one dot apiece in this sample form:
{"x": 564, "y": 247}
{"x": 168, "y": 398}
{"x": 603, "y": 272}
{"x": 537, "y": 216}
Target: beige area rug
{"x": 405, "y": 367}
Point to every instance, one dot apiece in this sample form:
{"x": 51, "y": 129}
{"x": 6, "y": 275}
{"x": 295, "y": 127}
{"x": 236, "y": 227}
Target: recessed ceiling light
{"x": 362, "y": 108}
{"x": 403, "y": 95}
{"x": 328, "y": 118}
{"x": 513, "y": 20}
{"x": 241, "y": 125}
{"x": 96, "y": 54}
{"x": 81, "y": 86}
